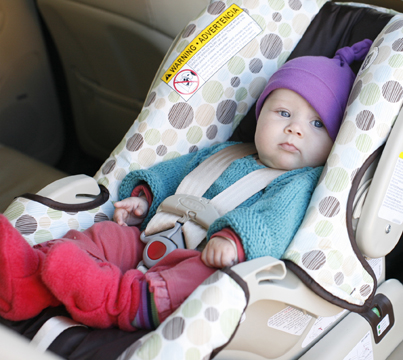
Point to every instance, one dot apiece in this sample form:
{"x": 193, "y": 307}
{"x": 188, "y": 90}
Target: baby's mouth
{"x": 289, "y": 147}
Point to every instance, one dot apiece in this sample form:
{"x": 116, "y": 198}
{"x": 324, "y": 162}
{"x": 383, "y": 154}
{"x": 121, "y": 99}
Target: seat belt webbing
{"x": 198, "y": 181}
{"x": 243, "y": 189}
{"x": 50, "y": 330}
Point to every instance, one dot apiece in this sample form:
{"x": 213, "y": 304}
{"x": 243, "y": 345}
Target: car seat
{"x": 285, "y": 318}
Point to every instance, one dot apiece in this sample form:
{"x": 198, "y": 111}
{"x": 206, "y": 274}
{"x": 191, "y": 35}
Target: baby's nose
{"x": 293, "y": 129}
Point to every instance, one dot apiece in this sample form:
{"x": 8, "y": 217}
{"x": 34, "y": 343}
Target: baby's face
{"x": 290, "y": 133}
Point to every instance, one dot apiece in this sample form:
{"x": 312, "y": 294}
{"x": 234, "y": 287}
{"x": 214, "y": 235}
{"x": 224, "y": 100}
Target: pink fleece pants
{"x": 169, "y": 280}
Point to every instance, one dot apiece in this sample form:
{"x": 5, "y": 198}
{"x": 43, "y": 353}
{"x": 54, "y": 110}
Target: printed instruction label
{"x": 210, "y": 50}
{"x": 377, "y": 266}
{"x": 392, "y": 205}
{"x": 320, "y": 325}
{"x": 383, "y": 325}
{"x": 290, "y": 320}
{"x": 363, "y": 350}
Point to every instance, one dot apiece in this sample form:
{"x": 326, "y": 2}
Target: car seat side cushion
{"x": 336, "y": 26}
{"x": 313, "y": 285}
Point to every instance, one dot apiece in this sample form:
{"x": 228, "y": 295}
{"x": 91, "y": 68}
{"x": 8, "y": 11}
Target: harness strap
{"x": 198, "y": 181}
{"x": 190, "y": 204}
{"x": 50, "y": 330}
{"x": 243, "y": 189}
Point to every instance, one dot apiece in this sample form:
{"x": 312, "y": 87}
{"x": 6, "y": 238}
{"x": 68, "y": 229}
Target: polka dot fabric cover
{"x": 205, "y": 322}
{"x": 321, "y": 247}
{"x": 38, "y": 223}
{"x": 169, "y": 126}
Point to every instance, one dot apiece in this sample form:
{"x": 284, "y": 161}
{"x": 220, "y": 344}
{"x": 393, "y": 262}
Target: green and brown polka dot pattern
{"x": 322, "y": 246}
{"x": 38, "y": 223}
{"x": 169, "y": 126}
{"x": 204, "y": 322}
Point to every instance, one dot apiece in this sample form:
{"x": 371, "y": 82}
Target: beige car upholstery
{"x": 31, "y": 131}
{"x": 110, "y": 53}
{"x": 21, "y": 174}
{"x": 30, "y": 119}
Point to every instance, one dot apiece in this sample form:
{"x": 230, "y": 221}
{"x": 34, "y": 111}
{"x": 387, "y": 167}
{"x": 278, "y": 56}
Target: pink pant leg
{"x": 174, "y": 278}
{"x": 106, "y": 241}
{"x": 100, "y": 293}
{"x": 22, "y": 292}
{"x": 169, "y": 280}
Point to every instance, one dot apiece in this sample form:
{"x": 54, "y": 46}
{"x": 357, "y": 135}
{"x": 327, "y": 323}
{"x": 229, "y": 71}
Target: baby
{"x": 93, "y": 273}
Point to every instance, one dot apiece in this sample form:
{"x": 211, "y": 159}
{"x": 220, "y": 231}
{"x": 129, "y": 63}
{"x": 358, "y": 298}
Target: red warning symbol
{"x": 186, "y": 82}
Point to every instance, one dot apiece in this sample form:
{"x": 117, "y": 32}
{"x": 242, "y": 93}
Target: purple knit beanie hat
{"x": 325, "y": 83}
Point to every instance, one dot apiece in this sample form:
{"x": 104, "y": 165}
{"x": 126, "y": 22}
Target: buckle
{"x": 190, "y": 207}
{"x": 161, "y": 244}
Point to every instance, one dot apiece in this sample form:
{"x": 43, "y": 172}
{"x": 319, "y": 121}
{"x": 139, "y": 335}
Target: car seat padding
{"x": 323, "y": 249}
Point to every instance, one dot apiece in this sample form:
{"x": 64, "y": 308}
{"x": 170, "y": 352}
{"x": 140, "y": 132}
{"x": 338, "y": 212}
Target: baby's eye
{"x": 317, "y": 123}
{"x": 284, "y": 113}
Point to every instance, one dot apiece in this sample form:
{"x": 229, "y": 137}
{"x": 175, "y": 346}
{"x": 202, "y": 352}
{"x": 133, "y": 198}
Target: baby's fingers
{"x": 227, "y": 259}
{"x": 213, "y": 257}
{"x": 126, "y": 205}
{"x": 120, "y": 217}
{"x": 141, "y": 208}
{"x": 206, "y": 256}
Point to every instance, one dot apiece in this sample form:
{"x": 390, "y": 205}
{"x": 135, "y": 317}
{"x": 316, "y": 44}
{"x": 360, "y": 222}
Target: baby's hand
{"x": 219, "y": 252}
{"x": 131, "y": 211}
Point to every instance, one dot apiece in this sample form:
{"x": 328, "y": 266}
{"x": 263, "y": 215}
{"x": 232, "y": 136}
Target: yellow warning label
{"x": 202, "y": 39}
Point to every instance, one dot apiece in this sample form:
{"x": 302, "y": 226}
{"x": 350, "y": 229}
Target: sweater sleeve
{"x": 164, "y": 178}
{"x": 268, "y": 226}
{"x": 145, "y": 190}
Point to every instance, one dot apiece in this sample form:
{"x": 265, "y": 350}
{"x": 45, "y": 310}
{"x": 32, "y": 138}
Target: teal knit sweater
{"x": 266, "y": 223}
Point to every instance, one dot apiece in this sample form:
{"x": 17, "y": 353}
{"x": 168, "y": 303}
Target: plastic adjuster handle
{"x": 190, "y": 207}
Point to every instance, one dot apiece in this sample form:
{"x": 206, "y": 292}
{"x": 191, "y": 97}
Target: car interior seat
{"x": 110, "y": 52}
{"x": 30, "y": 118}
{"x": 32, "y": 134}
{"x": 285, "y": 319}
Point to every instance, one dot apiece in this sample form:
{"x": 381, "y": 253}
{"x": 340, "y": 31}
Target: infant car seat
{"x": 285, "y": 317}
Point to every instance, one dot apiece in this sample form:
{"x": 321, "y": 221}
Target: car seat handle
{"x": 99, "y": 200}
{"x": 263, "y": 269}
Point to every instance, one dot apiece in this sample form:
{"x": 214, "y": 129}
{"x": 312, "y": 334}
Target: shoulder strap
{"x": 243, "y": 189}
{"x": 198, "y": 181}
